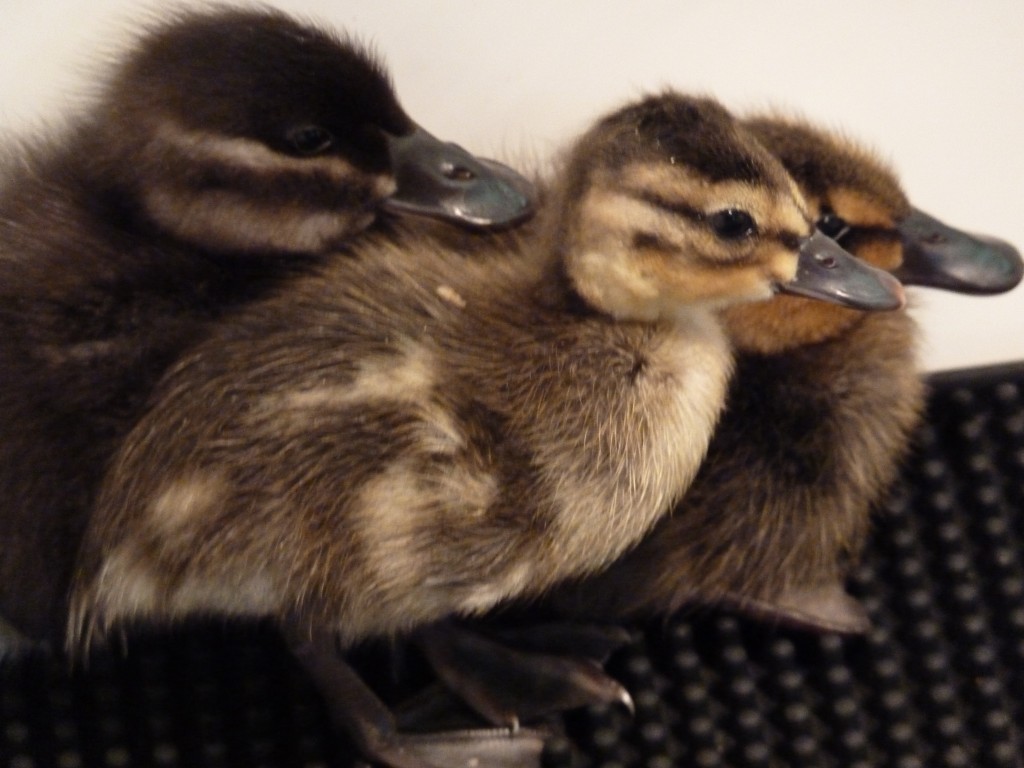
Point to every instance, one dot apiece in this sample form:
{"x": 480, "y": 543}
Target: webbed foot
{"x": 352, "y": 706}
{"x": 825, "y": 608}
{"x": 507, "y": 685}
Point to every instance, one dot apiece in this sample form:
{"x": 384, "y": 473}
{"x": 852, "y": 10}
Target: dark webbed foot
{"x": 507, "y": 685}
{"x": 356, "y": 709}
{"x": 353, "y": 707}
{"x": 825, "y": 608}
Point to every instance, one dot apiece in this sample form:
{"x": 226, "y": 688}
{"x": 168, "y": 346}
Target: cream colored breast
{"x": 672, "y": 410}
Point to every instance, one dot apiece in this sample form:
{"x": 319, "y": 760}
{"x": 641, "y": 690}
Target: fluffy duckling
{"x": 818, "y": 418}
{"x": 413, "y": 431}
{"x": 229, "y": 150}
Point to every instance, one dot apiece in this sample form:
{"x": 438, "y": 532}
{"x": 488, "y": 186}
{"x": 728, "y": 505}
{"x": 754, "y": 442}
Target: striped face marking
{"x": 647, "y": 247}
{"x": 237, "y": 193}
{"x": 781, "y": 216}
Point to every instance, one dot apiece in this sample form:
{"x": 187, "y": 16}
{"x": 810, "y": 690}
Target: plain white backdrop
{"x": 936, "y": 87}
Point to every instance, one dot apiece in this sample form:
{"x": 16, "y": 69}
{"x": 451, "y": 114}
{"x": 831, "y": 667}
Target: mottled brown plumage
{"x": 393, "y": 440}
{"x": 226, "y": 153}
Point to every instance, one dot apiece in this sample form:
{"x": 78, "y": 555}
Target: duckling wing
{"x": 309, "y": 460}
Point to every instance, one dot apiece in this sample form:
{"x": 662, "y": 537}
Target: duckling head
{"x": 246, "y": 129}
{"x": 857, "y": 199}
{"x": 669, "y": 203}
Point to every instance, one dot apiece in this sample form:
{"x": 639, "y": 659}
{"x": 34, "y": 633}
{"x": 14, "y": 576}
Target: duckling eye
{"x": 309, "y": 139}
{"x": 733, "y": 224}
{"x": 832, "y": 225}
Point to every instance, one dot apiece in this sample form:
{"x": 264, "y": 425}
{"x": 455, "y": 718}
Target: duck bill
{"x": 444, "y": 181}
{"x": 828, "y": 273}
{"x": 939, "y": 256}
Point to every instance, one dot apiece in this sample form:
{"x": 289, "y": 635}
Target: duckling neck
{"x": 557, "y": 292}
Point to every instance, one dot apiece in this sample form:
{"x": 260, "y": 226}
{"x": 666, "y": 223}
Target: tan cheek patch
{"x": 611, "y": 217}
{"x": 611, "y": 281}
{"x": 784, "y": 322}
{"x": 887, "y": 256}
{"x": 782, "y": 266}
{"x": 206, "y": 147}
{"x": 706, "y": 289}
{"x": 747, "y": 281}
{"x": 859, "y": 210}
{"x": 231, "y": 220}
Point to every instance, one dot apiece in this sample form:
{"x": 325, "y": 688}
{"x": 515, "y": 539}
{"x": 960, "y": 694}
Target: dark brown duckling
{"x": 818, "y": 419}
{"x": 228, "y": 151}
{"x": 414, "y": 432}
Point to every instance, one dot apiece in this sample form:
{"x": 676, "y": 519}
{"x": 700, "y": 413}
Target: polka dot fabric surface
{"x": 938, "y": 683}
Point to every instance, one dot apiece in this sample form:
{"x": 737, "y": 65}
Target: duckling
{"x": 229, "y": 151}
{"x": 412, "y": 432}
{"x": 818, "y": 418}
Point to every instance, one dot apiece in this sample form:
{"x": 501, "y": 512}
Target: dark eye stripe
{"x": 675, "y": 207}
{"x": 671, "y": 206}
{"x": 787, "y": 239}
{"x": 644, "y": 240}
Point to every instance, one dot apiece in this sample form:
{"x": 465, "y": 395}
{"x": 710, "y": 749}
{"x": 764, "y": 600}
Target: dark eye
{"x": 309, "y": 139}
{"x": 733, "y": 224}
{"x": 832, "y": 225}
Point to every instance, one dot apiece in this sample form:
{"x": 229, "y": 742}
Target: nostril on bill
{"x": 458, "y": 173}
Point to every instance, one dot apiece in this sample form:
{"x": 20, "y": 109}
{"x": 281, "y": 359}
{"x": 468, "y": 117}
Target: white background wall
{"x": 936, "y": 86}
